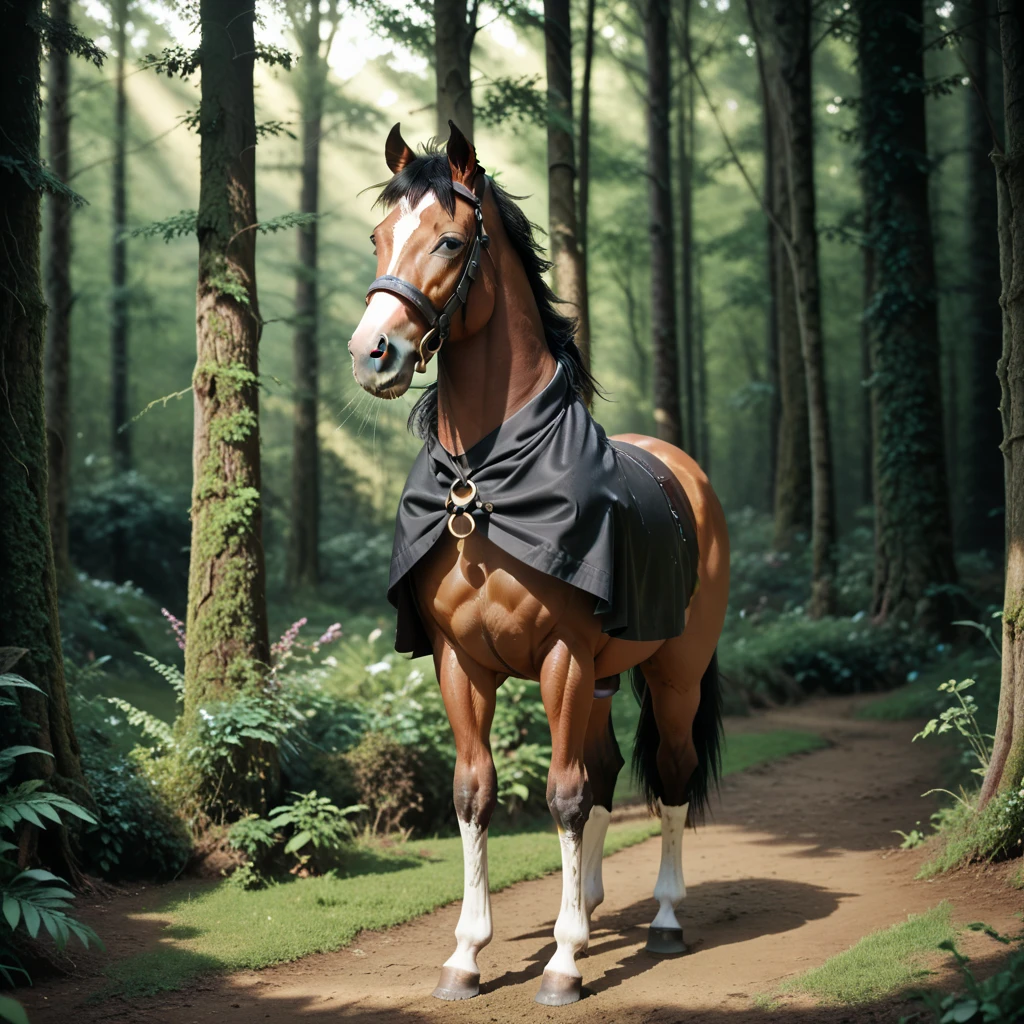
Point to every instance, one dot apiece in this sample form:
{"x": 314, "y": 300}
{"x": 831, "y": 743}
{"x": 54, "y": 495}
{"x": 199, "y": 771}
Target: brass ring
{"x": 464, "y": 517}
{"x": 461, "y": 501}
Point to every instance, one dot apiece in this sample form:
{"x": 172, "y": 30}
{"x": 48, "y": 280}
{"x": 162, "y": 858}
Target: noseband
{"x": 439, "y": 321}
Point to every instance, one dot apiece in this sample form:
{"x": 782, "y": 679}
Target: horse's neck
{"x": 489, "y": 376}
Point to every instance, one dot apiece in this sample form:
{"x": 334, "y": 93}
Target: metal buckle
{"x": 427, "y": 348}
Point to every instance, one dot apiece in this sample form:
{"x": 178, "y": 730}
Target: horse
{"x": 460, "y": 279}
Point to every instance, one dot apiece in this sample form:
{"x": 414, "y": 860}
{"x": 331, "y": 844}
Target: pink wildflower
{"x": 283, "y": 648}
{"x": 333, "y": 633}
{"x": 177, "y": 625}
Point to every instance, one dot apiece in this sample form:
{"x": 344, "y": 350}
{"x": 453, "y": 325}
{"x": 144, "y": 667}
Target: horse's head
{"x": 433, "y": 286}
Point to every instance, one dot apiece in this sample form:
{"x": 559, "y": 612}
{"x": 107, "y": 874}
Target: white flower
{"x": 331, "y": 661}
{"x": 375, "y": 634}
{"x": 378, "y": 666}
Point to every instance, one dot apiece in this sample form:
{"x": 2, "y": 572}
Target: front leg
{"x": 567, "y": 687}
{"x": 469, "y": 697}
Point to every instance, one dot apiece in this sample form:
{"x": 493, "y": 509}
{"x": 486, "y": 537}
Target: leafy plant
{"x": 963, "y": 717}
{"x": 314, "y": 822}
{"x": 995, "y": 1000}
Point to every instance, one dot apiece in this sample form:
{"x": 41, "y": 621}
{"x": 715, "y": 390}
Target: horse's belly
{"x": 502, "y": 613}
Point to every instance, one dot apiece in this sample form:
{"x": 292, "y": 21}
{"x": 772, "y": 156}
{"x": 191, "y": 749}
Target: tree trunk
{"x": 790, "y": 76}
{"x": 120, "y": 436}
{"x": 304, "y": 535}
{"x": 914, "y": 568}
{"x": 703, "y": 426}
{"x": 58, "y": 298}
{"x": 659, "y": 190}
{"x": 588, "y": 70}
{"x": 227, "y": 649}
{"x": 570, "y": 271}
{"x": 454, "y": 32}
{"x": 684, "y": 139}
{"x": 1006, "y": 768}
{"x": 772, "y": 356}
{"x": 867, "y": 402}
{"x": 28, "y": 611}
{"x": 983, "y": 525}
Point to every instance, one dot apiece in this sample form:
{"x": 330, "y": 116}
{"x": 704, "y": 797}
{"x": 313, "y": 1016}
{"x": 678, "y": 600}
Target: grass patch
{"x": 882, "y": 962}
{"x": 227, "y": 929}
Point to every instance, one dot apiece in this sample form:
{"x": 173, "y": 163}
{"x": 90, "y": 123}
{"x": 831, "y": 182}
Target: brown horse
{"x": 488, "y": 615}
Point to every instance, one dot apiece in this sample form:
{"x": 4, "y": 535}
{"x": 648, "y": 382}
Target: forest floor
{"x": 799, "y": 863}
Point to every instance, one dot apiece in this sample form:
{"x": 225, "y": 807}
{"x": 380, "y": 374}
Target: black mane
{"x": 430, "y": 172}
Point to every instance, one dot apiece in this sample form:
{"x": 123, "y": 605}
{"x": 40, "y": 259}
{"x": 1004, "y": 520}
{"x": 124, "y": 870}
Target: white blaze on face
{"x": 380, "y": 312}
{"x": 406, "y": 225}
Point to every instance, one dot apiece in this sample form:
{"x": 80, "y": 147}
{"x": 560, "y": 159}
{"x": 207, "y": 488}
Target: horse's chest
{"x": 498, "y": 610}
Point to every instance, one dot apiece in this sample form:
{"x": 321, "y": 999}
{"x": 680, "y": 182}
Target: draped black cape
{"x": 603, "y": 516}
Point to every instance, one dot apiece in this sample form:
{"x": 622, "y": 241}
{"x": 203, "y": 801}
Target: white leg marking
{"x": 593, "y": 854}
{"x": 670, "y": 887}
{"x": 474, "y": 929}
{"x": 571, "y": 929}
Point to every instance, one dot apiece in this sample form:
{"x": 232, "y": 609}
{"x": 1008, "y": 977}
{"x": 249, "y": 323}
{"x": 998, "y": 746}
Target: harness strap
{"x": 439, "y": 321}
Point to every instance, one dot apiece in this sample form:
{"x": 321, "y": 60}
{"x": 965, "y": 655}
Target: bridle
{"x": 439, "y": 320}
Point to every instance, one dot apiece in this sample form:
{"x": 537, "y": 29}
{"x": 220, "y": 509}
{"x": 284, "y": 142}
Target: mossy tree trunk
{"x": 584, "y": 163}
{"x": 914, "y": 567}
{"x": 1006, "y": 768}
{"x": 455, "y": 23}
{"x": 982, "y": 524}
{"x": 303, "y": 566}
{"x": 662, "y": 243}
{"x": 227, "y": 651}
{"x": 570, "y": 269}
{"x": 59, "y": 298}
{"x": 28, "y": 611}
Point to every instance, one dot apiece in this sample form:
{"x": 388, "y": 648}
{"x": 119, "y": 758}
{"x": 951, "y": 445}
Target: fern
{"x": 169, "y": 673}
{"x": 150, "y": 725}
{"x": 27, "y": 802}
{"x": 286, "y": 221}
{"x": 30, "y": 901}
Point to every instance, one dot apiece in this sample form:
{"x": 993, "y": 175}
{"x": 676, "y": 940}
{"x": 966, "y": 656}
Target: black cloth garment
{"x": 557, "y": 495}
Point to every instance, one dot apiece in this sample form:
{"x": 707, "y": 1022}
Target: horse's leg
{"x": 674, "y": 686}
{"x": 469, "y": 697}
{"x": 567, "y": 688}
{"x": 603, "y": 761}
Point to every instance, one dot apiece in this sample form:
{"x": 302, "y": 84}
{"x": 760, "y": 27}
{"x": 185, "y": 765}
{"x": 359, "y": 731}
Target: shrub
{"x": 384, "y": 773}
{"x": 360, "y": 561}
{"x": 126, "y": 527}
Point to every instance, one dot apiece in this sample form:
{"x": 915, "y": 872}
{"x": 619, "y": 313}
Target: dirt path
{"x": 800, "y": 863}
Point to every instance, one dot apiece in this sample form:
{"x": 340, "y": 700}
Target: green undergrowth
{"x": 881, "y": 963}
{"x": 227, "y": 929}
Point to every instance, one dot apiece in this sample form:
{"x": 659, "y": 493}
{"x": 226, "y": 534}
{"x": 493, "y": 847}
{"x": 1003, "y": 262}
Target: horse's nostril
{"x": 382, "y": 347}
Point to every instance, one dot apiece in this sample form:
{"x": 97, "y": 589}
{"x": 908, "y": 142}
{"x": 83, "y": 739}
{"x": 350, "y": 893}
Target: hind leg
{"x": 674, "y": 688}
{"x": 603, "y": 761}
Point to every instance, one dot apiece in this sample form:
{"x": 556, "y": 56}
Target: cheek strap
{"x": 439, "y": 321}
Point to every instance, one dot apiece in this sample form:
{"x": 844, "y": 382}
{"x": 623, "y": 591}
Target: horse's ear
{"x": 461, "y": 156}
{"x": 396, "y": 151}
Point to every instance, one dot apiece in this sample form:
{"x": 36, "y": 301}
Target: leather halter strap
{"x": 439, "y": 320}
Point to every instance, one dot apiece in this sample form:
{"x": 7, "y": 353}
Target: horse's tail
{"x": 707, "y": 742}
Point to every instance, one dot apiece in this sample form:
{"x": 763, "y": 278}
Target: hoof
{"x": 559, "y": 989}
{"x": 455, "y": 984}
{"x": 665, "y": 941}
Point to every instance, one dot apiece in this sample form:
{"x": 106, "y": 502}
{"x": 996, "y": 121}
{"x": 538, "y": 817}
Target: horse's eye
{"x": 448, "y": 246}
{"x": 373, "y": 242}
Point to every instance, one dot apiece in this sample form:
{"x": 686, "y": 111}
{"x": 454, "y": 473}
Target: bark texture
{"x": 227, "y": 650}
{"x": 914, "y": 568}
{"x": 455, "y": 23}
{"x": 59, "y": 298}
{"x": 982, "y": 523}
{"x": 303, "y": 565}
{"x": 28, "y": 612}
{"x": 659, "y": 190}
{"x": 570, "y": 269}
{"x": 789, "y": 71}
{"x": 1006, "y": 768}
{"x": 120, "y": 438}
{"x": 687, "y": 320}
